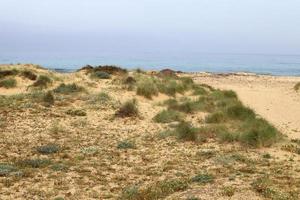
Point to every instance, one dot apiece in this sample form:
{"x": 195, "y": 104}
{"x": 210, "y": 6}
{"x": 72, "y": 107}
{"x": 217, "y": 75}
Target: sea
{"x": 280, "y": 65}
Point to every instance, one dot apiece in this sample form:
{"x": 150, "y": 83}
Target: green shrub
{"x": 29, "y": 75}
{"x": 76, "y": 112}
{"x": 203, "y": 178}
{"x": 240, "y": 112}
{"x": 5, "y": 73}
{"x": 216, "y": 117}
{"x": 100, "y": 75}
{"x": 297, "y": 87}
{"x": 259, "y": 133}
{"x": 48, "y": 99}
{"x": 128, "y": 109}
{"x": 229, "y": 94}
{"x": 42, "y": 82}
{"x": 126, "y": 144}
{"x": 147, "y": 88}
{"x": 226, "y": 136}
{"x": 187, "y": 106}
{"x": 68, "y": 88}
{"x": 8, "y": 83}
{"x": 185, "y": 131}
{"x": 6, "y": 169}
{"x": 34, "y": 163}
{"x": 198, "y": 90}
{"x": 48, "y": 149}
{"x": 167, "y": 116}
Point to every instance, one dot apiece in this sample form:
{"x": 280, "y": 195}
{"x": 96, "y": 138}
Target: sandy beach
{"x": 108, "y": 133}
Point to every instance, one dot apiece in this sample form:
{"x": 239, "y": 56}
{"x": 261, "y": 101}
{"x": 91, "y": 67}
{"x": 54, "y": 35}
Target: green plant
{"x": 101, "y": 98}
{"x": 126, "y": 144}
{"x": 185, "y": 131}
{"x": 297, "y": 87}
{"x": 48, "y": 99}
{"x": 42, "y": 82}
{"x": 147, "y": 88}
{"x": 6, "y": 169}
{"x": 167, "y": 116}
{"x": 29, "y": 75}
{"x": 76, "y": 112}
{"x": 240, "y": 112}
{"x": 91, "y": 150}
{"x": 100, "y": 75}
{"x": 48, "y": 149}
{"x": 203, "y": 178}
{"x": 128, "y": 109}
{"x": 68, "y": 88}
{"x": 34, "y": 163}
{"x": 8, "y": 83}
{"x": 198, "y": 90}
{"x": 228, "y": 191}
{"x": 258, "y": 132}
{"x": 216, "y": 117}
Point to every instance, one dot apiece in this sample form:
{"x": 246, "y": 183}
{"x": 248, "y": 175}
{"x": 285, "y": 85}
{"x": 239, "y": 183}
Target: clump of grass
{"x": 48, "y": 149}
{"x": 203, "y": 178}
{"x": 91, "y": 150}
{"x": 128, "y": 109}
{"x": 59, "y": 167}
{"x": 101, "y": 98}
{"x": 42, "y": 82}
{"x": 6, "y": 169}
{"x": 198, "y": 90}
{"x": 5, "y": 73}
{"x": 68, "y": 88}
{"x": 216, "y": 117}
{"x": 187, "y": 106}
{"x": 167, "y": 116}
{"x": 170, "y": 87}
{"x": 48, "y": 99}
{"x": 240, "y": 112}
{"x": 147, "y": 88}
{"x": 259, "y": 133}
{"x": 158, "y": 190}
{"x": 185, "y": 131}
{"x": 34, "y": 163}
{"x": 56, "y": 128}
{"x": 228, "y": 191}
{"x": 297, "y": 87}
{"x": 126, "y": 144}
{"x": 226, "y": 136}
{"x": 76, "y": 112}
{"x": 29, "y": 75}
{"x": 100, "y": 75}
{"x": 8, "y": 83}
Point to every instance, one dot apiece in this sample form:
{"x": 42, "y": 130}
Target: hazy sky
{"x": 210, "y": 26}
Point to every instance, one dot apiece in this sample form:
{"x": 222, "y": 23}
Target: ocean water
{"x": 192, "y": 62}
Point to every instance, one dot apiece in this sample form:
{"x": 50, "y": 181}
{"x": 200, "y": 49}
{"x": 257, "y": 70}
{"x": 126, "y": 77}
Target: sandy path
{"x": 271, "y": 97}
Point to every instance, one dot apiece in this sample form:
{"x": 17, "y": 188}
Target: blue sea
{"x": 192, "y": 62}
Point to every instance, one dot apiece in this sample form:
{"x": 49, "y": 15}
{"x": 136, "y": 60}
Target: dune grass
{"x": 8, "y": 83}
{"x": 147, "y": 88}
{"x": 68, "y": 88}
{"x": 128, "y": 109}
{"x": 297, "y": 87}
{"x": 167, "y": 116}
{"x": 43, "y": 81}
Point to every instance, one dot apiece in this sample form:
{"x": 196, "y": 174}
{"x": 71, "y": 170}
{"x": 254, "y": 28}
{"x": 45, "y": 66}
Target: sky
{"x": 207, "y": 26}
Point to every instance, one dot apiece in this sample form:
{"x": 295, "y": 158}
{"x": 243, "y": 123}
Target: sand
{"x": 272, "y": 97}
{"x": 97, "y": 169}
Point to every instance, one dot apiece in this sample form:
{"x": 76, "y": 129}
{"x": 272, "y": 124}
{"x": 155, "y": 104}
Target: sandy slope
{"x": 272, "y": 97}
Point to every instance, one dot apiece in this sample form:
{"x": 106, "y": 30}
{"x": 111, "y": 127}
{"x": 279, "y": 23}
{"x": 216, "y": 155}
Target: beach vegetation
{"x": 147, "y": 88}
{"x": 29, "y": 75}
{"x": 42, "y": 82}
{"x": 128, "y": 109}
{"x": 126, "y": 144}
{"x": 8, "y": 83}
{"x": 297, "y": 87}
{"x": 167, "y": 116}
{"x": 48, "y": 98}
{"x": 100, "y": 75}
{"x": 48, "y": 149}
{"x": 76, "y": 112}
{"x": 68, "y": 88}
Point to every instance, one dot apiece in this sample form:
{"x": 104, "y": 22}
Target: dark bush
{"x": 100, "y": 75}
{"x": 42, "y": 82}
{"x": 48, "y": 149}
{"x": 29, "y": 75}
{"x": 48, "y": 99}
{"x": 76, "y": 112}
{"x": 128, "y": 109}
{"x": 68, "y": 88}
{"x": 240, "y": 112}
{"x": 185, "y": 131}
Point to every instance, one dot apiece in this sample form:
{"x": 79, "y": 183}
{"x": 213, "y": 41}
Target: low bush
{"x": 167, "y": 116}
{"x": 48, "y": 149}
{"x": 100, "y": 75}
{"x": 5, "y": 73}
{"x": 34, "y": 163}
{"x": 216, "y": 117}
{"x": 198, "y": 90}
{"x": 259, "y": 133}
{"x": 76, "y": 112}
{"x": 126, "y": 144}
{"x": 29, "y": 75}
{"x": 68, "y": 88}
{"x": 147, "y": 88}
{"x": 48, "y": 99}
{"x": 8, "y": 83}
{"x": 203, "y": 178}
{"x": 6, "y": 169}
{"x": 240, "y": 112}
{"x": 42, "y": 82}
{"x": 185, "y": 131}
{"x": 128, "y": 109}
